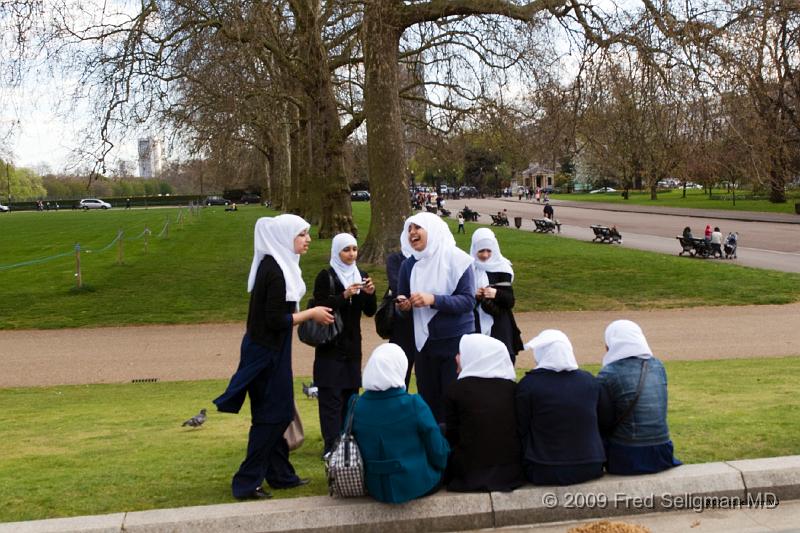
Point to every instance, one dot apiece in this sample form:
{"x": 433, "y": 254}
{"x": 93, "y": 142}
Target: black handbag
{"x": 316, "y": 334}
{"x": 385, "y": 316}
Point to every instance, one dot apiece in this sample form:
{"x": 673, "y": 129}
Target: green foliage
{"x": 95, "y": 449}
{"x": 20, "y": 183}
{"x": 198, "y": 274}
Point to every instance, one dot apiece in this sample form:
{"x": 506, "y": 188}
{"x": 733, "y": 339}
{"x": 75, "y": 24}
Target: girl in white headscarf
{"x": 404, "y": 451}
{"x": 636, "y": 433}
{"x": 276, "y": 286}
{"x": 493, "y": 278}
{"x": 350, "y": 292}
{"x": 480, "y": 423}
{"x": 402, "y": 332}
{"x": 435, "y": 285}
{"x": 558, "y": 408}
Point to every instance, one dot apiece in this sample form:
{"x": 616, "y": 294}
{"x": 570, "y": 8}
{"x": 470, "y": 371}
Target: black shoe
{"x": 298, "y": 483}
{"x": 258, "y": 494}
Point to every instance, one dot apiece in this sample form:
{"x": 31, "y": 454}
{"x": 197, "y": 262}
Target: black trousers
{"x": 267, "y": 459}
{"x": 435, "y": 368}
{"x": 332, "y": 412}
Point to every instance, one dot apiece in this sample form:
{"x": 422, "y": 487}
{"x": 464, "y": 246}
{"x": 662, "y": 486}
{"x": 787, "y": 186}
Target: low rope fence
{"x": 119, "y": 240}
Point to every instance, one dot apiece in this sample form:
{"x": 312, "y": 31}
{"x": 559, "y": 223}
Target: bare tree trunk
{"x": 385, "y": 157}
{"x": 281, "y": 165}
{"x": 327, "y": 198}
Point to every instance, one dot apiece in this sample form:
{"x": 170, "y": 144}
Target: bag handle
{"x": 629, "y": 410}
{"x": 332, "y": 282}
{"x": 348, "y": 428}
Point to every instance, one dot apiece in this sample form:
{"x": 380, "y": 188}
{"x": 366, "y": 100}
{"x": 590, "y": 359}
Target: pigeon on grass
{"x": 197, "y": 420}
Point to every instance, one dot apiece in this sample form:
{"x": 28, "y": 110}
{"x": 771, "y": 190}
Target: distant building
{"x": 536, "y": 175}
{"x": 149, "y": 157}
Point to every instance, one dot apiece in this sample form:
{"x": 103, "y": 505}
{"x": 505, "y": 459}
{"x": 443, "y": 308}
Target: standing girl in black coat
{"x": 493, "y": 276}
{"x": 337, "y": 364}
{"x": 276, "y": 286}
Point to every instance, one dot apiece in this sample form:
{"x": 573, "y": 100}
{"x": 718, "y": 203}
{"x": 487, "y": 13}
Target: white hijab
{"x": 347, "y": 274}
{"x": 386, "y": 368}
{"x": 553, "y": 351}
{"x": 484, "y": 239}
{"x": 275, "y": 236}
{"x": 625, "y": 339}
{"x": 484, "y": 357}
{"x": 438, "y": 269}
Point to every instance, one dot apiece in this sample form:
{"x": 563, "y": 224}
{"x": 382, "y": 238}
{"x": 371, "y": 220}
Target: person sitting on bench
{"x": 548, "y": 211}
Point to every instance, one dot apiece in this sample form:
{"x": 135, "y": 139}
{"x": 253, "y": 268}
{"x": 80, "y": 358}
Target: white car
{"x": 93, "y": 203}
{"x": 4, "y": 208}
{"x": 602, "y": 190}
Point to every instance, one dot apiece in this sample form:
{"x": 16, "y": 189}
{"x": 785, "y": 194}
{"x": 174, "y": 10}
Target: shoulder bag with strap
{"x": 345, "y": 467}
{"x": 629, "y": 410}
{"x": 316, "y": 334}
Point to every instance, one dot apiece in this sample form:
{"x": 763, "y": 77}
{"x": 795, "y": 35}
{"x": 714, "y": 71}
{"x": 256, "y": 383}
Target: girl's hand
{"x": 368, "y": 287}
{"x": 402, "y": 303}
{"x": 352, "y": 290}
{"x": 322, "y": 314}
{"x": 421, "y": 299}
{"x": 489, "y": 293}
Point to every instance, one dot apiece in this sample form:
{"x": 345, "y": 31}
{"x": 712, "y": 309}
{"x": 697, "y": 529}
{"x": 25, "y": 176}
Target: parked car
{"x": 4, "y": 208}
{"x": 93, "y": 203}
{"x": 250, "y": 198}
{"x": 602, "y": 190}
{"x": 359, "y": 196}
{"x": 216, "y": 200}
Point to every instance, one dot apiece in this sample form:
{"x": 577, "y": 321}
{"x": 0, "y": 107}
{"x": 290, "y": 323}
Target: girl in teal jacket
{"x": 404, "y": 451}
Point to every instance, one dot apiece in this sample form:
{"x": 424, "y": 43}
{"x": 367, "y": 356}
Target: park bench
{"x": 605, "y": 235}
{"x": 469, "y": 215}
{"x": 445, "y": 212}
{"x": 545, "y": 225}
{"x": 498, "y": 220}
{"x": 694, "y": 247}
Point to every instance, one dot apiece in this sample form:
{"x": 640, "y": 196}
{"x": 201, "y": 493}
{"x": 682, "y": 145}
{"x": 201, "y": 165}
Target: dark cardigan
{"x": 505, "y": 327}
{"x": 482, "y": 432}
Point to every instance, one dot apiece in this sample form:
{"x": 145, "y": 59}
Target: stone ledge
{"x": 776, "y": 475}
{"x": 441, "y": 512}
{"x": 617, "y": 495}
{"x": 680, "y": 488}
{"x": 104, "y": 523}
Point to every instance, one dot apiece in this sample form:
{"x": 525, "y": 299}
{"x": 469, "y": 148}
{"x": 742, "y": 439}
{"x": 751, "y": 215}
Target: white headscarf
{"x": 484, "y": 239}
{"x": 347, "y": 274}
{"x": 553, "y": 351}
{"x": 405, "y": 246}
{"x": 275, "y": 236}
{"x": 625, "y": 339}
{"x": 484, "y": 357}
{"x": 386, "y": 368}
{"x": 438, "y": 269}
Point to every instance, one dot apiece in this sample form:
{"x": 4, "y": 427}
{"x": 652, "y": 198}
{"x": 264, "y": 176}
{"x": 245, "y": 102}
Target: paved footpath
{"x": 210, "y": 351}
{"x": 766, "y": 240}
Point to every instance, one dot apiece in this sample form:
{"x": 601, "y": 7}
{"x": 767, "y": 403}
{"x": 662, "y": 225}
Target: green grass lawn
{"x": 198, "y": 274}
{"x": 96, "y": 449}
{"x": 695, "y": 199}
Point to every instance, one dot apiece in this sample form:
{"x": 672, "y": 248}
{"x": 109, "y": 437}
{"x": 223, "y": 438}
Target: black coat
{"x": 505, "y": 327}
{"x": 338, "y": 363}
{"x": 403, "y": 326}
{"x": 265, "y": 363}
{"x": 558, "y": 417}
{"x": 482, "y": 431}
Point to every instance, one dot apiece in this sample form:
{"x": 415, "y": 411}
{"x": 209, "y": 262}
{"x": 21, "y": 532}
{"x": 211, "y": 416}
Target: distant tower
{"x": 149, "y": 157}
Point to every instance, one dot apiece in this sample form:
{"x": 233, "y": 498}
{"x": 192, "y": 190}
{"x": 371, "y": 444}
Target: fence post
{"x": 120, "y": 255}
{"x": 78, "y": 276}
{"x": 166, "y": 235}
{"x": 146, "y": 235}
